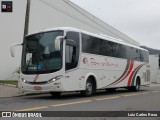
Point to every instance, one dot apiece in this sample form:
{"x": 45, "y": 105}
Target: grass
{"x": 12, "y": 82}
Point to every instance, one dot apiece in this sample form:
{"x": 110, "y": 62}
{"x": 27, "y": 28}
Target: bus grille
{"x": 38, "y": 83}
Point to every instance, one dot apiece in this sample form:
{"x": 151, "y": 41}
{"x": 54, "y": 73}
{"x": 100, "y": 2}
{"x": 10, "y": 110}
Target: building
{"x": 59, "y": 13}
{"x": 155, "y": 68}
{"x": 45, "y": 14}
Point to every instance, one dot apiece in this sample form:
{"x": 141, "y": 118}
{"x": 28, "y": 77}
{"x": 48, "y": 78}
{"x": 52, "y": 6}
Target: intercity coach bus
{"x": 67, "y": 59}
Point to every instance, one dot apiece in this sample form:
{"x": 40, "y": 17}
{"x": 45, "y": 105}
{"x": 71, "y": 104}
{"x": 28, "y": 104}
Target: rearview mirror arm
{"x": 12, "y": 48}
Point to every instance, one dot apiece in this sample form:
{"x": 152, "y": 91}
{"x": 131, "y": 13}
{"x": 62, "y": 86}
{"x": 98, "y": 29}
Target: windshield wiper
{"x": 26, "y": 65}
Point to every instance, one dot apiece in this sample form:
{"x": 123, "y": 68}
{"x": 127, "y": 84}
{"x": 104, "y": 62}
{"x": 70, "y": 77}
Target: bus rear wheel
{"x": 135, "y": 88}
{"x": 90, "y": 88}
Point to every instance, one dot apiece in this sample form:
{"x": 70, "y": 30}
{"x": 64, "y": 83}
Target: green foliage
{"x": 12, "y": 82}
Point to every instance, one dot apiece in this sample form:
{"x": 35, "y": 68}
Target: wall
{"x": 44, "y": 14}
{"x": 154, "y": 67}
{"x": 56, "y": 13}
{"x": 11, "y": 31}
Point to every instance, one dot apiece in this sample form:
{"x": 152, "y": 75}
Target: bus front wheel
{"x": 90, "y": 88}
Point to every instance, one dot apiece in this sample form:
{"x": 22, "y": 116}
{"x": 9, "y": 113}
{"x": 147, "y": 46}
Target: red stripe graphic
{"x": 129, "y": 71}
{"x": 131, "y": 76}
{"x": 34, "y": 80}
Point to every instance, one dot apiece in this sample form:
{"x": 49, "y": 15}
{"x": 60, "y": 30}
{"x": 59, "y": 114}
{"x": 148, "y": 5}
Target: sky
{"x": 138, "y": 19}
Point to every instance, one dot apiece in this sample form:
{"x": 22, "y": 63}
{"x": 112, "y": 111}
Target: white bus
{"x": 67, "y": 59}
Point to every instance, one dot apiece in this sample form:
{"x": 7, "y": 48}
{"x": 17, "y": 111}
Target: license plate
{"x": 37, "y": 88}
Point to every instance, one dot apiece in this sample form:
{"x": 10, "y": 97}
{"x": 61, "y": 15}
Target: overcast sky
{"x": 138, "y": 19}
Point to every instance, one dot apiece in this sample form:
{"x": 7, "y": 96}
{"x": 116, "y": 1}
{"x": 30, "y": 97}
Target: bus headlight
{"x": 25, "y": 81}
{"x": 54, "y": 79}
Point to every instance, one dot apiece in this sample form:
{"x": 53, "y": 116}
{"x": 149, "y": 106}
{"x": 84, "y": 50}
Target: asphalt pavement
{"x": 7, "y": 90}
{"x": 147, "y": 99}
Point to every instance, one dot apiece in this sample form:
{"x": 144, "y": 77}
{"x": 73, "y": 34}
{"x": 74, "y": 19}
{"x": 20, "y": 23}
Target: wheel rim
{"x": 89, "y": 88}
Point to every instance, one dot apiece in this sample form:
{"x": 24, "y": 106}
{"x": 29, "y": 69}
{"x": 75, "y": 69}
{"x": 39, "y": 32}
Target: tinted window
{"x": 39, "y": 54}
{"x": 99, "y": 46}
{"x": 73, "y": 36}
{"x": 72, "y": 50}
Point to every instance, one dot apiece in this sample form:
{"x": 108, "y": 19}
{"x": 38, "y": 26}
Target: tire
{"x": 90, "y": 88}
{"x": 135, "y": 88}
{"x": 55, "y": 94}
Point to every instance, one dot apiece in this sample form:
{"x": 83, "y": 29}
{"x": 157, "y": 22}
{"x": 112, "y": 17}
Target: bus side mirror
{"x": 71, "y": 42}
{"x": 12, "y": 49}
{"x": 58, "y": 41}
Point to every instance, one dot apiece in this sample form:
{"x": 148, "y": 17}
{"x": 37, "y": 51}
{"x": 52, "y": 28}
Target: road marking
{"x": 144, "y": 93}
{"x": 31, "y": 109}
{"x": 128, "y": 95}
{"x": 85, "y": 101}
{"x": 109, "y": 98}
{"x": 71, "y": 103}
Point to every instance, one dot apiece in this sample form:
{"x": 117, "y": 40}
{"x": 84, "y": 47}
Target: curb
{"x": 25, "y": 94}
{"x": 11, "y": 85}
{"x": 11, "y": 96}
{"x": 155, "y": 85}
{"x": 21, "y": 93}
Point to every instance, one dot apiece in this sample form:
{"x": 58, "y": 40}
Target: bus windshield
{"x": 39, "y": 55}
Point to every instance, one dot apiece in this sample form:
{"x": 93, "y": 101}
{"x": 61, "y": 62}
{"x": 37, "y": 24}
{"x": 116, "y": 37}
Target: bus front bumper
{"x": 50, "y": 87}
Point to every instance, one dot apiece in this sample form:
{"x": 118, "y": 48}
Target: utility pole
{"x": 26, "y": 26}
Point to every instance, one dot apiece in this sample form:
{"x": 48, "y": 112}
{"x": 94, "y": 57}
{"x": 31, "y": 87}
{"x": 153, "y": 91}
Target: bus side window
{"x": 72, "y": 50}
{"x": 70, "y": 57}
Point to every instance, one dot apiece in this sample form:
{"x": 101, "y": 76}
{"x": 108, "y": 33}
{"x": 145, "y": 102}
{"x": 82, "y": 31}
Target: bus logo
{"x": 85, "y": 60}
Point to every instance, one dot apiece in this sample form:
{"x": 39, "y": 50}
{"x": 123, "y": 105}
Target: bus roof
{"x": 105, "y": 37}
